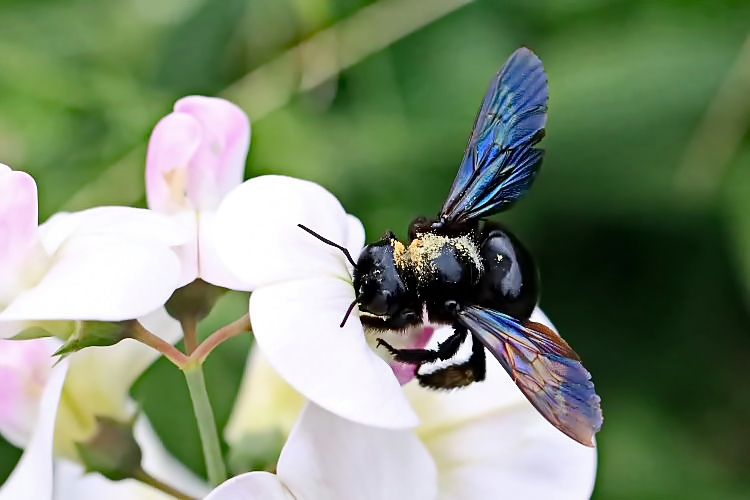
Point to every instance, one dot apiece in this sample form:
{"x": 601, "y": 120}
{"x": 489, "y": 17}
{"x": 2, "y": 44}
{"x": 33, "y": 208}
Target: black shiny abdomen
{"x": 510, "y": 282}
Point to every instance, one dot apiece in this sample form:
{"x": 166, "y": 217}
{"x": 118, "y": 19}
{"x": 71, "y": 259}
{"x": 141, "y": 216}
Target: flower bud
{"x": 112, "y": 451}
{"x": 194, "y": 300}
{"x": 95, "y": 334}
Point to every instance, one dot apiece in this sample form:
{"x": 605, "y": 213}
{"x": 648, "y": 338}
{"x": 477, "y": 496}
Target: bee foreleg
{"x": 446, "y": 349}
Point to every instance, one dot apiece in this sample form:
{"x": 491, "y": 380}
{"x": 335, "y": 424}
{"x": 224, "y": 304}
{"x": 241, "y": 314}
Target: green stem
{"x": 206, "y": 424}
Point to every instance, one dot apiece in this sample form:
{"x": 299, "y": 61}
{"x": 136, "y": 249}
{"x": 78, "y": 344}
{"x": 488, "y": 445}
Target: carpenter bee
{"x": 475, "y": 275}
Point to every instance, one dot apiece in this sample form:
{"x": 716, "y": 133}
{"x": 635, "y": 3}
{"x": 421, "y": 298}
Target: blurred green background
{"x": 640, "y": 220}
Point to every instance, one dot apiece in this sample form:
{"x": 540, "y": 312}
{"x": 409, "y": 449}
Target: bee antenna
{"x": 335, "y": 245}
{"x": 348, "y": 312}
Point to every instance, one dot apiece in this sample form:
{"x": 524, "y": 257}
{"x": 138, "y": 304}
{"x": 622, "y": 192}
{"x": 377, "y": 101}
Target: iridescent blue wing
{"x": 500, "y": 161}
{"x": 543, "y": 366}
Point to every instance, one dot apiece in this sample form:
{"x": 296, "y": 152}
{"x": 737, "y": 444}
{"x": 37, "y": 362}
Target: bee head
{"x": 380, "y": 289}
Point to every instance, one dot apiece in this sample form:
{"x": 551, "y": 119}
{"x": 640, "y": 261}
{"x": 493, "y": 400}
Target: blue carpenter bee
{"x": 476, "y": 275}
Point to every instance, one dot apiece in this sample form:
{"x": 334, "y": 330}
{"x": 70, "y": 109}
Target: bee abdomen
{"x": 510, "y": 283}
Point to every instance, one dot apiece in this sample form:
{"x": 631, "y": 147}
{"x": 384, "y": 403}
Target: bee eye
{"x": 379, "y": 303}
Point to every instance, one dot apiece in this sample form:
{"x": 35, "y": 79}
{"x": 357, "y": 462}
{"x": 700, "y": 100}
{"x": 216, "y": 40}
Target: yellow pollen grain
{"x": 423, "y": 251}
{"x": 399, "y": 253}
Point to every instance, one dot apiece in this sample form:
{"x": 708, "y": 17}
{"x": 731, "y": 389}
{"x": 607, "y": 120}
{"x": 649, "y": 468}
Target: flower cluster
{"x": 89, "y": 300}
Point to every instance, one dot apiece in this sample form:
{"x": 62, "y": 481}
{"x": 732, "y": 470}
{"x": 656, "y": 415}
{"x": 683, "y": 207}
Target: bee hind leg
{"x": 446, "y": 349}
{"x": 459, "y": 375}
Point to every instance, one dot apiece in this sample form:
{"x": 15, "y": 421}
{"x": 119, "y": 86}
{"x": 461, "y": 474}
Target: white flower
{"x": 328, "y": 457}
{"x": 196, "y": 155}
{"x": 107, "y": 263}
{"x": 485, "y": 441}
{"x": 302, "y": 290}
{"x": 97, "y": 385}
{"x": 32, "y": 477}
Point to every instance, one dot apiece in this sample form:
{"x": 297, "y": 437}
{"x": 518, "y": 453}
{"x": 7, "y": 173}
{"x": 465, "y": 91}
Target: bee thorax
{"x": 441, "y": 260}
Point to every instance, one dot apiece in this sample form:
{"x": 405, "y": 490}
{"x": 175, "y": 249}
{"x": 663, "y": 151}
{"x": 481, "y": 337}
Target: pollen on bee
{"x": 425, "y": 249}
{"x": 399, "y": 253}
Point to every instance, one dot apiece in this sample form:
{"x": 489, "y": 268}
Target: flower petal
{"x": 174, "y": 141}
{"x": 161, "y": 464}
{"x": 514, "y": 451}
{"x": 211, "y": 267}
{"x": 188, "y": 252}
{"x": 488, "y": 434}
{"x": 25, "y": 367}
{"x": 265, "y": 402}
{"x": 18, "y": 218}
{"x": 100, "y": 378}
{"x": 496, "y": 393}
{"x": 257, "y": 237}
{"x": 336, "y": 459}
{"x": 296, "y": 324}
{"x": 218, "y": 164}
{"x": 252, "y": 486}
{"x": 108, "y": 372}
{"x": 122, "y": 222}
{"x": 355, "y": 238}
{"x": 100, "y": 278}
{"x": 412, "y": 338}
{"x": 72, "y": 481}
{"x": 32, "y": 477}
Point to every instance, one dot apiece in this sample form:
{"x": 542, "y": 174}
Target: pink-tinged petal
{"x": 25, "y": 367}
{"x": 32, "y": 478}
{"x": 257, "y": 237}
{"x": 211, "y": 267}
{"x": 16, "y": 412}
{"x": 173, "y": 143}
{"x": 218, "y": 164}
{"x": 100, "y": 278}
{"x": 413, "y": 338}
{"x": 329, "y": 457}
{"x": 253, "y": 486}
{"x": 18, "y": 219}
{"x": 296, "y": 325}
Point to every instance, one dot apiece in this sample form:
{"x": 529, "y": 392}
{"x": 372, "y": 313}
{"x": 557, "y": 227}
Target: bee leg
{"x": 459, "y": 375}
{"x": 446, "y": 349}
